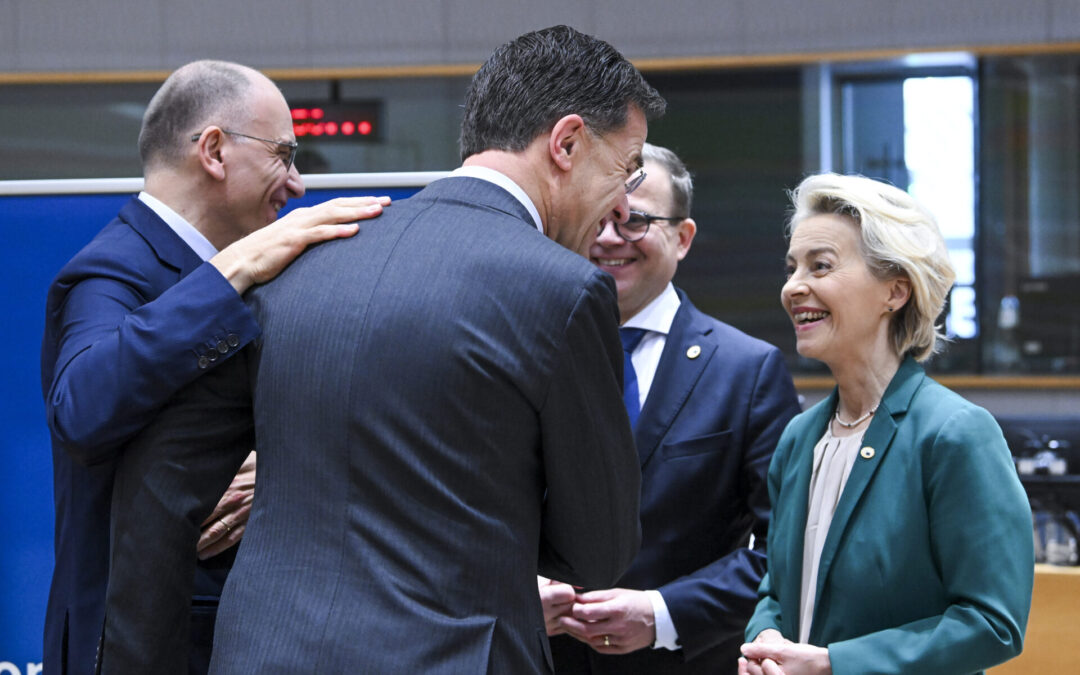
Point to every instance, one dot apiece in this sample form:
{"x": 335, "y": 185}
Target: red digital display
{"x": 337, "y": 121}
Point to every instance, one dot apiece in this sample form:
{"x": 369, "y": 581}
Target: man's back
{"x": 437, "y": 414}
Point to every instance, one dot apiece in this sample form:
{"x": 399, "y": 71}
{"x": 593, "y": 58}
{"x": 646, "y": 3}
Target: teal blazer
{"x": 929, "y": 563}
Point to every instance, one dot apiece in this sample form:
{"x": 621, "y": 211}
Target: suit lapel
{"x": 876, "y": 443}
{"x": 795, "y": 503}
{"x": 676, "y": 376}
{"x": 168, "y": 246}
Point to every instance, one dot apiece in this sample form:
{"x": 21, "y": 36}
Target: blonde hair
{"x": 898, "y": 237}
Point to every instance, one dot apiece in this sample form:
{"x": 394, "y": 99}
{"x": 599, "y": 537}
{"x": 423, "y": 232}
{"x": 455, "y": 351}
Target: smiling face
{"x": 643, "y": 268}
{"x": 595, "y": 188}
{"x": 839, "y": 309}
{"x": 258, "y": 185}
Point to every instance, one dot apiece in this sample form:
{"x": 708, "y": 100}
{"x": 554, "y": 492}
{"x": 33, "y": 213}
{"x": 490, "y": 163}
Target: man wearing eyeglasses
{"x": 149, "y": 307}
{"x": 708, "y": 404}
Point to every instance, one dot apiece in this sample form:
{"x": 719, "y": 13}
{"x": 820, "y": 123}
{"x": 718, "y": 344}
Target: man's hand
{"x": 263, "y": 254}
{"x": 772, "y": 654}
{"x": 557, "y": 599}
{"x": 613, "y": 621}
{"x": 225, "y": 526}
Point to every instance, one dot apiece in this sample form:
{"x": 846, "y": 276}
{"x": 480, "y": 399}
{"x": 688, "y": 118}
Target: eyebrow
{"x": 813, "y": 252}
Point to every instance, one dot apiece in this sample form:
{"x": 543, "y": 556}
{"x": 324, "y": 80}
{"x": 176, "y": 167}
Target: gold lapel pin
{"x": 693, "y": 352}
{"x": 867, "y": 453}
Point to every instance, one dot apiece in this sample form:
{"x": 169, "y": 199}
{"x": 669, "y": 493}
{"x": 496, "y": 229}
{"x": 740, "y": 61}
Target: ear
{"x": 209, "y": 150}
{"x": 686, "y": 230}
{"x": 899, "y": 293}
{"x": 565, "y": 139}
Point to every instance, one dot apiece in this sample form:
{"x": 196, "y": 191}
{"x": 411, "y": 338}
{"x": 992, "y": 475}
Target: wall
{"x": 39, "y": 36}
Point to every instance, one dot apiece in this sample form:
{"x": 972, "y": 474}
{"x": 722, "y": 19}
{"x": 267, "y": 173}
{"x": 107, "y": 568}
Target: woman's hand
{"x": 771, "y": 654}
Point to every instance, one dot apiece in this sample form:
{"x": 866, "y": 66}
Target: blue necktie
{"x": 631, "y": 396}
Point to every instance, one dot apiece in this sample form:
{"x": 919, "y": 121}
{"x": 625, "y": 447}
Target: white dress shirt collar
{"x": 183, "y": 229}
{"x": 659, "y": 314}
{"x": 503, "y": 181}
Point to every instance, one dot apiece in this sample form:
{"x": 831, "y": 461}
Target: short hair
{"x": 897, "y": 237}
{"x": 530, "y": 83}
{"x": 194, "y": 95}
{"x": 682, "y": 185}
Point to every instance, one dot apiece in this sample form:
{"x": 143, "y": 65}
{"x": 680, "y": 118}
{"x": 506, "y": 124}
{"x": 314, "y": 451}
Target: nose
{"x": 621, "y": 213}
{"x": 607, "y": 236}
{"x": 794, "y": 287}
{"x": 295, "y": 184}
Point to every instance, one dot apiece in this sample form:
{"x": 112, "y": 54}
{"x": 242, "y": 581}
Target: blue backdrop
{"x": 38, "y": 234}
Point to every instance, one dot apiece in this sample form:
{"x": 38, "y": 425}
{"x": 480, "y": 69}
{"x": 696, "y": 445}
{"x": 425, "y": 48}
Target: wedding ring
{"x": 607, "y": 640}
{"x": 228, "y": 529}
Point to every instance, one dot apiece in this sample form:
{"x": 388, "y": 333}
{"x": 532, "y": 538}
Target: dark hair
{"x": 528, "y": 84}
{"x": 682, "y": 185}
{"x": 200, "y": 93}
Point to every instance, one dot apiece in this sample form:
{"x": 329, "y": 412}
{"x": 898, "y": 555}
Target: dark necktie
{"x": 631, "y": 395}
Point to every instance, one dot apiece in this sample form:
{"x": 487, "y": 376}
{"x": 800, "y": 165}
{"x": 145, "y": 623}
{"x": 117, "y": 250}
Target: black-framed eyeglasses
{"x": 286, "y": 159}
{"x": 635, "y": 181}
{"x": 637, "y": 225}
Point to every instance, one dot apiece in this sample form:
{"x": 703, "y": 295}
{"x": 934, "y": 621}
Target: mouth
{"x": 809, "y": 317}
{"x": 612, "y": 262}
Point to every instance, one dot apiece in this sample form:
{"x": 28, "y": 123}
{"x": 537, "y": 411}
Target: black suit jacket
{"x": 710, "y": 424}
{"x": 437, "y": 416}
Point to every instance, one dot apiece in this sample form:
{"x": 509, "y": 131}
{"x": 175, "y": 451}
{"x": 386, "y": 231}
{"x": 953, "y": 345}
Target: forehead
{"x": 269, "y": 111}
{"x": 827, "y": 231}
{"x": 654, "y": 192}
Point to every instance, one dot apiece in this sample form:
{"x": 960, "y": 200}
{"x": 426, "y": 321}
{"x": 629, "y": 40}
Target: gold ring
{"x": 607, "y": 640}
{"x": 227, "y": 528}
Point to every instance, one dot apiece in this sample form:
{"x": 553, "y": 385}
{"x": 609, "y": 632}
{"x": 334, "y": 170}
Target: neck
{"x": 861, "y": 385}
{"x": 190, "y": 199}
{"x": 520, "y": 167}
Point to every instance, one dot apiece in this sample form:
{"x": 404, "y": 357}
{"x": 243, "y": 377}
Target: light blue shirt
{"x": 183, "y": 229}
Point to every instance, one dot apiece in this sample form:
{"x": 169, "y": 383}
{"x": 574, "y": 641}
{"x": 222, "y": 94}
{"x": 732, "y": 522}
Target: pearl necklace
{"x": 850, "y": 425}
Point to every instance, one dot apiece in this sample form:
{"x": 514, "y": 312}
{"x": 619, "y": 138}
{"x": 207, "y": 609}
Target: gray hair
{"x": 193, "y": 96}
{"x": 530, "y": 83}
{"x": 682, "y": 185}
{"x": 898, "y": 237}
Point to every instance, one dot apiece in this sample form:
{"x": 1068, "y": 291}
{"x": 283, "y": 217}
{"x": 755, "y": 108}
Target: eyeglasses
{"x": 637, "y": 225}
{"x": 635, "y": 181}
{"x": 287, "y": 157}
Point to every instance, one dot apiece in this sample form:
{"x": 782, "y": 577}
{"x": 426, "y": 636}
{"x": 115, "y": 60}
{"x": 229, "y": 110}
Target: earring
{"x": 890, "y": 309}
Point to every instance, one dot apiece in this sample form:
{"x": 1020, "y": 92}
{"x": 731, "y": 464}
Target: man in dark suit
{"x": 710, "y": 403}
{"x": 433, "y": 394}
{"x": 150, "y": 305}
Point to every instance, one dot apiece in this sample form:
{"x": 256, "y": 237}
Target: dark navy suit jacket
{"x": 438, "y": 416}
{"x": 127, "y": 322}
{"x": 705, "y": 436}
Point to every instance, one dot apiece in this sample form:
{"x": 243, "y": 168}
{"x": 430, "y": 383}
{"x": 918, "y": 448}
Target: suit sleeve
{"x": 712, "y": 605}
{"x": 590, "y": 528}
{"x": 976, "y": 505}
{"x": 121, "y": 357}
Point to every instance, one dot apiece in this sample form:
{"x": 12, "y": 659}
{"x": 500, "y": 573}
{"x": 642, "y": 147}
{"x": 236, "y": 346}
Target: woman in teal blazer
{"x": 901, "y": 537}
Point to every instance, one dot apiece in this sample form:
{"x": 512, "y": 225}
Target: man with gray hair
{"x": 148, "y": 307}
{"x": 453, "y": 422}
{"x": 708, "y": 404}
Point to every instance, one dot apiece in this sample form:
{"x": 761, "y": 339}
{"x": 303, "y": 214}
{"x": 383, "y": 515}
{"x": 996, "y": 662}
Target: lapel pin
{"x": 693, "y": 352}
{"x": 867, "y": 453}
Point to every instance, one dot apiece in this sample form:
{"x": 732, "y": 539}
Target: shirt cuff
{"x": 666, "y": 636}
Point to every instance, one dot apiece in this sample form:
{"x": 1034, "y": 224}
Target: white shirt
{"x": 503, "y": 181}
{"x": 656, "y": 317}
{"x": 183, "y": 229}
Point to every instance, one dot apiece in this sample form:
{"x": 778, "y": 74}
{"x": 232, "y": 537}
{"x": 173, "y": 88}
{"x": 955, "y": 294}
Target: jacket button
{"x": 204, "y": 362}
{"x": 222, "y": 347}
{"x": 233, "y": 339}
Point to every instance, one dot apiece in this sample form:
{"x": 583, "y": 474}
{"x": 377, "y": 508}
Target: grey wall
{"x": 132, "y": 35}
